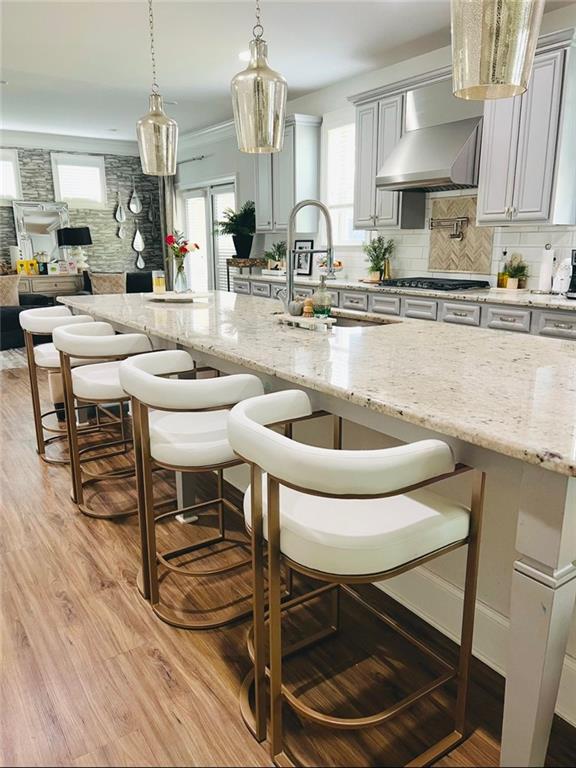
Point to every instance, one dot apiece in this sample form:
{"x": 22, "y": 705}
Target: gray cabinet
{"x": 389, "y": 134}
{"x": 562, "y": 325}
{"x": 354, "y": 300}
{"x": 506, "y": 319}
{"x": 385, "y": 305}
{"x": 365, "y": 169}
{"x": 261, "y": 289}
{"x": 460, "y": 313}
{"x": 519, "y": 142}
{"x": 241, "y": 286}
{"x": 284, "y": 178}
{"x": 422, "y": 309}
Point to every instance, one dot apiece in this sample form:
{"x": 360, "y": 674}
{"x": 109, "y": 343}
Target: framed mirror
{"x": 36, "y": 225}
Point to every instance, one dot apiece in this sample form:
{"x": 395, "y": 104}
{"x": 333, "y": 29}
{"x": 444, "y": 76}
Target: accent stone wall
{"x": 109, "y": 253}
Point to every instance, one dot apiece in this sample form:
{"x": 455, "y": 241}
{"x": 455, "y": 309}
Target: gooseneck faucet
{"x": 291, "y": 251}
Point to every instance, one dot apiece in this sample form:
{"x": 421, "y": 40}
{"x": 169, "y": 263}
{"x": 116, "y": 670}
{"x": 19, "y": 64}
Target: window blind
{"x": 223, "y": 244}
{"x": 9, "y": 176}
{"x": 195, "y": 231}
{"x": 339, "y": 176}
{"x": 80, "y": 179}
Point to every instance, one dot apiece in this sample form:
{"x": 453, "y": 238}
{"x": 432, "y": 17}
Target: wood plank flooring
{"x": 89, "y": 677}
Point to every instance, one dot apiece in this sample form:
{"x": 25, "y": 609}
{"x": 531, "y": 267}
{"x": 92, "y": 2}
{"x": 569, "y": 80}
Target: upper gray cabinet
{"x": 527, "y": 164}
{"x": 378, "y": 130}
{"x": 287, "y": 177}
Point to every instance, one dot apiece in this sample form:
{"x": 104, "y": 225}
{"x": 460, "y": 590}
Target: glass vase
{"x": 180, "y": 279}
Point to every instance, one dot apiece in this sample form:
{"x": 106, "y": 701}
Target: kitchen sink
{"x": 361, "y": 322}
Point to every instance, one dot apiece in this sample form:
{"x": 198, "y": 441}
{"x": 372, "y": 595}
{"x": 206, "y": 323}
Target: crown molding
{"x": 59, "y": 142}
{"x": 209, "y": 135}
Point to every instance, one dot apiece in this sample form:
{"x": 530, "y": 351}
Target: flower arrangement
{"x": 180, "y": 248}
{"x": 516, "y": 270}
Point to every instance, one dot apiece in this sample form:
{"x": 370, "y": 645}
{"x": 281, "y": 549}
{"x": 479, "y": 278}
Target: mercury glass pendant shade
{"x": 259, "y": 101}
{"x": 493, "y": 46}
{"x": 157, "y": 140}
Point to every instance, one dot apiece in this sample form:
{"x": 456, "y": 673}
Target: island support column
{"x": 542, "y": 605}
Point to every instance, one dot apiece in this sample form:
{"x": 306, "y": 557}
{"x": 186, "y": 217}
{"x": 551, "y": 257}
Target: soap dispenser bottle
{"x": 321, "y": 299}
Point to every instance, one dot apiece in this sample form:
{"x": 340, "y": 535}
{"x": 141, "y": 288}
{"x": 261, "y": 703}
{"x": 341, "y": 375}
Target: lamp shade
{"x": 69, "y": 236}
{"x": 259, "y": 101}
{"x": 493, "y": 46}
{"x": 157, "y": 140}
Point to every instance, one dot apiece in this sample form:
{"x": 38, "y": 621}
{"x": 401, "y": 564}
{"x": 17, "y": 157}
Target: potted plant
{"x": 277, "y": 255}
{"x": 241, "y": 225}
{"x": 179, "y": 249}
{"x": 379, "y": 250}
{"x": 517, "y": 271}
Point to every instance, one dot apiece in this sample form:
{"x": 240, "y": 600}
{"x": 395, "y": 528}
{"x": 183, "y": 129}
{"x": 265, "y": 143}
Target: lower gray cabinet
{"x": 241, "y": 286}
{"x": 385, "y": 305}
{"x": 460, "y": 313}
{"x": 506, "y": 319}
{"x": 261, "y": 289}
{"x": 335, "y": 296}
{"x": 303, "y": 293}
{"x": 562, "y": 325}
{"x": 423, "y": 309}
{"x": 354, "y": 300}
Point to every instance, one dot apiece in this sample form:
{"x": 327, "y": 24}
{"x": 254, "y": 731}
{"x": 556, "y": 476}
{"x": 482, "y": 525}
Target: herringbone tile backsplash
{"x": 471, "y": 254}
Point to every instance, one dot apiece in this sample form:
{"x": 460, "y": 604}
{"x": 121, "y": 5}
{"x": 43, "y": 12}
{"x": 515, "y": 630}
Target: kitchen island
{"x": 498, "y": 399}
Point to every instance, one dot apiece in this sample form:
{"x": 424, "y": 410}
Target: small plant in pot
{"x": 241, "y": 225}
{"x": 517, "y": 271}
{"x": 379, "y": 251}
{"x": 276, "y": 255}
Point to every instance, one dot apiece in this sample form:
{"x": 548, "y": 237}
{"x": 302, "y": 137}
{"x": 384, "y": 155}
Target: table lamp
{"x": 76, "y": 238}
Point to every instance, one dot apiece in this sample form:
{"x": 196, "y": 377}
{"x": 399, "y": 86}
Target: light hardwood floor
{"x": 90, "y": 678}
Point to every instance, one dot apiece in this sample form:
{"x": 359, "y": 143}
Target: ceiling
{"x": 82, "y": 68}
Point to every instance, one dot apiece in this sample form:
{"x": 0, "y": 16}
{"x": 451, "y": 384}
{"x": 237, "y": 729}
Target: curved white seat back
{"x": 140, "y": 377}
{"x": 98, "y": 340}
{"x": 335, "y": 472}
{"x": 45, "y": 319}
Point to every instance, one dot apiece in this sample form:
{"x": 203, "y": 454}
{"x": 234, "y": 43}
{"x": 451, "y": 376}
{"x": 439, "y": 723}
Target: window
{"x": 339, "y": 160}
{"x": 198, "y": 212}
{"x": 10, "y": 187}
{"x": 79, "y": 180}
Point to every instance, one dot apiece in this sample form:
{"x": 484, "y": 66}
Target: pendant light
{"x": 157, "y": 133}
{"x": 259, "y": 99}
{"x": 493, "y": 46}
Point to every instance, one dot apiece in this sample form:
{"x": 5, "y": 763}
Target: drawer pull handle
{"x": 460, "y": 314}
{"x": 354, "y": 301}
{"x": 507, "y": 319}
{"x": 564, "y": 326}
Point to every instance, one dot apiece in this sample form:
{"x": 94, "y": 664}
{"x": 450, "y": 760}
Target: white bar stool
{"x": 42, "y": 322}
{"x": 350, "y": 517}
{"x": 99, "y": 384}
{"x": 180, "y": 424}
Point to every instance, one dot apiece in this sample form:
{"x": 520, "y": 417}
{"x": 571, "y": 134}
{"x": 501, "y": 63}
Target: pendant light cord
{"x": 155, "y": 87}
{"x": 257, "y": 29}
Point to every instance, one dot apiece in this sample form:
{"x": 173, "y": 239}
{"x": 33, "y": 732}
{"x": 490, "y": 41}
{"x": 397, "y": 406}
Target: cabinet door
{"x": 389, "y": 133}
{"x": 366, "y": 155}
{"x": 263, "y": 195}
{"x": 498, "y": 159}
{"x": 283, "y": 180}
{"x": 539, "y": 119}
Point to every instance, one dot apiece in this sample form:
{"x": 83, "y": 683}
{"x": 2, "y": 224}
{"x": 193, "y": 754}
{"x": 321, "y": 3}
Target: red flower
{"x": 170, "y": 239}
{"x": 183, "y": 249}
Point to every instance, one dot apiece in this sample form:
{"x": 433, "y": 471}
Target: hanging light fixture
{"x": 259, "y": 99}
{"x": 157, "y": 133}
{"x": 493, "y": 46}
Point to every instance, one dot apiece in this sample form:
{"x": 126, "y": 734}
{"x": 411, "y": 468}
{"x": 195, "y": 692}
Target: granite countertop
{"x": 511, "y": 393}
{"x": 488, "y": 296}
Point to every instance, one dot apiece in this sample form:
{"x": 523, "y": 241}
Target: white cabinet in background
{"x": 378, "y": 130}
{"x": 287, "y": 177}
{"x": 519, "y": 149}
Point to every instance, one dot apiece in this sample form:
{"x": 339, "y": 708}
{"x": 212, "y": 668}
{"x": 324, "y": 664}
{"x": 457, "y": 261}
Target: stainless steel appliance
{"x": 571, "y": 292}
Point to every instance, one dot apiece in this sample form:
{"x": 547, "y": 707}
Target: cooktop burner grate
{"x": 436, "y": 283}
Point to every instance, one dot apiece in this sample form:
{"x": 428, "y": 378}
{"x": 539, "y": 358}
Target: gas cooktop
{"x": 436, "y": 284}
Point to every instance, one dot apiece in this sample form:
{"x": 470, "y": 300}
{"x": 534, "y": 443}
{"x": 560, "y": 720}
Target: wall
{"x": 108, "y": 253}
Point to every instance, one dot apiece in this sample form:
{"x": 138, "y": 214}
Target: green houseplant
{"x": 378, "y": 252}
{"x": 276, "y": 255}
{"x": 517, "y": 271}
{"x": 241, "y": 225}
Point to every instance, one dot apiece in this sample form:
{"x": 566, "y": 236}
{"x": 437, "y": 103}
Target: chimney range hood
{"x": 440, "y": 144}
{"x": 438, "y": 157}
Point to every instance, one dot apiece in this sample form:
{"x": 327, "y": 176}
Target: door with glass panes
{"x": 201, "y": 210}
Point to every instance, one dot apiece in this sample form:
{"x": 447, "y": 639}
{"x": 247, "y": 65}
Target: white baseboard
{"x": 440, "y": 604}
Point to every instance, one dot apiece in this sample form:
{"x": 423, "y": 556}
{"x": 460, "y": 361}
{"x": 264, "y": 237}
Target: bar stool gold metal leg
{"x": 274, "y": 597}
{"x": 33, "y": 374}
{"x": 258, "y": 605}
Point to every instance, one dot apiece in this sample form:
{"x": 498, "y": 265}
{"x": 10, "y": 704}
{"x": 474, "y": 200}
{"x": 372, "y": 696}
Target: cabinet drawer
{"x": 335, "y": 296}
{"x": 241, "y": 286}
{"x": 509, "y": 319}
{"x": 261, "y": 289}
{"x": 353, "y": 300}
{"x": 423, "y": 309}
{"x": 385, "y": 305}
{"x": 54, "y": 285}
{"x": 464, "y": 314}
{"x": 559, "y": 324}
{"x": 24, "y": 285}
{"x": 303, "y": 293}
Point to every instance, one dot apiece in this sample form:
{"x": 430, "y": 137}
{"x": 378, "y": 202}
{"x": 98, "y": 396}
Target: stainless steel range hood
{"x": 440, "y": 145}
